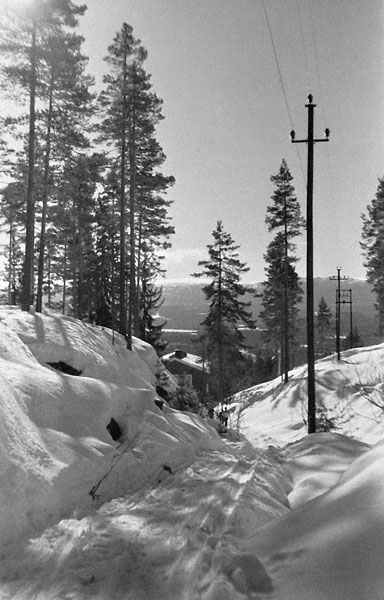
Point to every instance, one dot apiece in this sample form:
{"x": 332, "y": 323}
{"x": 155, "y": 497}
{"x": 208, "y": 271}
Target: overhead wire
{"x": 322, "y": 109}
{"x": 282, "y": 82}
{"x": 305, "y": 47}
{"x": 317, "y": 62}
{"x": 308, "y": 74}
{"x": 306, "y": 54}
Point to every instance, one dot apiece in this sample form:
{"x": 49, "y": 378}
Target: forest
{"x": 85, "y": 210}
{"x": 84, "y": 206}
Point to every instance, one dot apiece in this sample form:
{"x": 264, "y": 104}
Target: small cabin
{"x": 189, "y": 369}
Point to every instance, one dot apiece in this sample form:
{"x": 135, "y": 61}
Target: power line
{"x": 317, "y": 62}
{"x": 277, "y": 65}
{"x": 281, "y": 81}
{"x": 319, "y": 79}
{"x": 305, "y": 48}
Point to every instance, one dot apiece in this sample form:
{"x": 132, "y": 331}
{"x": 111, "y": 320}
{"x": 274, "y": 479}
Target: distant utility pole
{"x": 310, "y": 141}
{"x": 346, "y": 298}
{"x": 338, "y": 302}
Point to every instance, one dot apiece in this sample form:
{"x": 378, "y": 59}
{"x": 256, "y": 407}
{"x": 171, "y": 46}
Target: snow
{"x": 191, "y": 360}
{"x": 171, "y": 510}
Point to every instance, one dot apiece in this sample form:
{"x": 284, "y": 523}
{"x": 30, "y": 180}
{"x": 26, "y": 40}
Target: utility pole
{"x": 310, "y": 141}
{"x": 338, "y": 302}
{"x": 346, "y": 298}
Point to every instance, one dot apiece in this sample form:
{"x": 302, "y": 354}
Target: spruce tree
{"x": 373, "y": 249}
{"x": 323, "y": 323}
{"x": 150, "y": 300}
{"x": 282, "y": 290}
{"x": 228, "y": 311}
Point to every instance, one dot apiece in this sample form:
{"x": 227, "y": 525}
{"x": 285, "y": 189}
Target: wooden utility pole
{"x": 346, "y": 298}
{"x": 338, "y": 314}
{"x": 310, "y": 141}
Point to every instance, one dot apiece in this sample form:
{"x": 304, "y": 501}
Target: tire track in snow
{"x": 179, "y": 541}
{"x": 234, "y": 500}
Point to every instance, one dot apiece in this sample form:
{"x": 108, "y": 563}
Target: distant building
{"x": 189, "y": 369}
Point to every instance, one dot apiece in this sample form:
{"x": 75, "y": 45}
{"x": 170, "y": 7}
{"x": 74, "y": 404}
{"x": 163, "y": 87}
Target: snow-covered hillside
{"x": 171, "y": 511}
{"x": 349, "y": 391}
{"x": 54, "y": 443}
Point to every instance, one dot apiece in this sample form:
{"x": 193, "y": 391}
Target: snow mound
{"x": 56, "y": 454}
{"x": 170, "y": 510}
{"x": 331, "y": 547}
{"x": 349, "y": 391}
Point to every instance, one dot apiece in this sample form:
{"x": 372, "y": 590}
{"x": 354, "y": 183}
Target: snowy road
{"x": 182, "y": 539}
{"x": 179, "y": 513}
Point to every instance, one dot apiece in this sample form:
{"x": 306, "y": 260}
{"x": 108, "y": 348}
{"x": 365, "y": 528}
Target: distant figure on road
{"x": 203, "y": 411}
{"x": 224, "y": 416}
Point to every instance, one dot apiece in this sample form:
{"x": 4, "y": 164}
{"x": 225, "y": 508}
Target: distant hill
{"x": 185, "y": 306}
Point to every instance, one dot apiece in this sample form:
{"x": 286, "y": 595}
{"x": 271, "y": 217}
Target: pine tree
{"x": 282, "y": 290}
{"x": 323, "y": 323}
{"x": 131, "y": 113}
{"x": 64, "y": 123}
{"x": 222, "y": 334}
{"x": 23, "y": 34}
{"x": 373, "y": 249}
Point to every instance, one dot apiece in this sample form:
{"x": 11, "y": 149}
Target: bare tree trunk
{"x": 65, "y": 275}
{"x": 10, "y": 261}
{"x": 220, "y": 323}
{"x": 123, "y": 265}
{"x": 40, "y": 275}
{"x": 75, "y": 242}
{"x": 132, "y": 307}
{"x": 286, "y": 305}
{"x": 27, "y": 290}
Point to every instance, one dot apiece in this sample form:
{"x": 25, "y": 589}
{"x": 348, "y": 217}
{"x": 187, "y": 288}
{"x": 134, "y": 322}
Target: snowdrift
{"x": 331, "y": 546}
{"x": 55, "y": 451}
{"x": 170, "y": 511}
{"x": 349, "y": 392}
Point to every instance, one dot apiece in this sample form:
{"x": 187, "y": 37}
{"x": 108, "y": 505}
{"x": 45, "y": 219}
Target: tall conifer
{"x": 222, "y": 335}
{"x": 323, "y": 323}
{"x": 282, "y": 290}
{"x": 373, "y": 249}
{"x": 24, "y": 32}
{"x": 131, "y": 114}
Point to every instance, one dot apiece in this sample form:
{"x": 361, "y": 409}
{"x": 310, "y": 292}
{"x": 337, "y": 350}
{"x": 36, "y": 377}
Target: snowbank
{"x": 332, "y": 546}
{"x": 171, "y": 511}
{"x": 54, "y": 445}
{"x": 351, "y": 391}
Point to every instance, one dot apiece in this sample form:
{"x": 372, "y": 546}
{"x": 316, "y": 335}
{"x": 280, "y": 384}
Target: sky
{"x": 234, "y": 77}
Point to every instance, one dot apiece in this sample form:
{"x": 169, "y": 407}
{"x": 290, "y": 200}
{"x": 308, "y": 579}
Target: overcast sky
{"x": 229, "y": 107}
